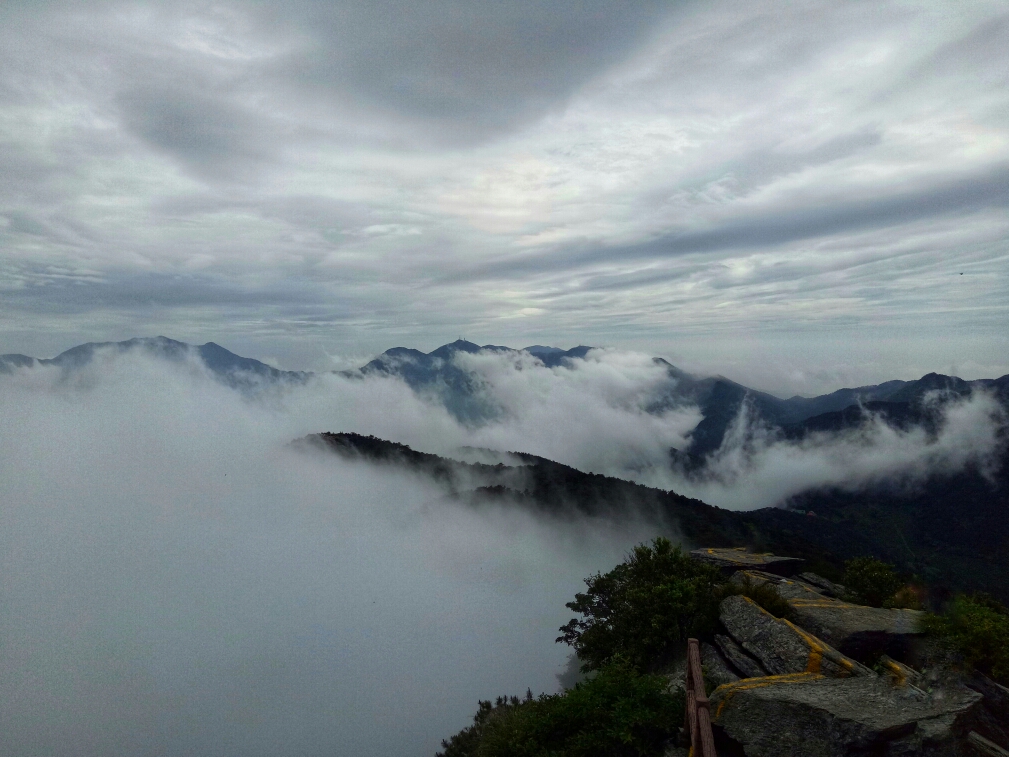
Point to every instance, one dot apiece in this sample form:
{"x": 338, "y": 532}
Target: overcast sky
{"x": 797, "y": 195}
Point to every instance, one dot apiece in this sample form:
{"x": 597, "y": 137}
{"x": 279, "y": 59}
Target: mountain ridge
{"x": 913, "y": 530}
{"x": 437, "y": 375}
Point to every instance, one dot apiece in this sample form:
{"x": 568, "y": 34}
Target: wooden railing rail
{"x": 698, "y": 725}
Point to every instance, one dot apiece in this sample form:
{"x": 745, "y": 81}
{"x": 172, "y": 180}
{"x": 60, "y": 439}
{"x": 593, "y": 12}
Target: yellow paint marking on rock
{"x": 758, "y": 683}
{"x": 897, "y": 672}
{"x": 815, "y": 659}
{"x": 814, "y": 662}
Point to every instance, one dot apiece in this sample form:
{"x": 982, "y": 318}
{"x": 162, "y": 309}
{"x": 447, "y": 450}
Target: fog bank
{"x": 177, "y": 580}
{"x": 619, "y": 413}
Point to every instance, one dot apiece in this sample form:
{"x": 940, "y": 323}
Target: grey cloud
{"x": 206, "y": 133}
{"x": 758, "y": 168}
{"x": 975, "y": 193}
{"x": 54, "y": 290}
{"x": 396, "y": 172}
{"x": 781, "y": 225}
{"x": 23, "y": 223}
{"x": 454, "y": 71}
{"x": 973, "y": 54}
{"x": 188, "y": 585}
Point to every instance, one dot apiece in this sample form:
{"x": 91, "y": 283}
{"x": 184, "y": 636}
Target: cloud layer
{"x": 178, "y": 579}
{"x": 696, "y": 180}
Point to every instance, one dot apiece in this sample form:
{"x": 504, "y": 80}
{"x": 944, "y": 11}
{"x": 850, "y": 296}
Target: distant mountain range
{"x": 718, "y": 398}
{"x": 232, "y": 369}
{"x": 438, "y": 375}
{"x": 951, "y": 528}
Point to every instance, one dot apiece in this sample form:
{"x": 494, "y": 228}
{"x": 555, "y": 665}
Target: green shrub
{"x": 617, "y": 713}
{"x": 467, "y": 741}
{"x": 644, "y": 609}
{"x": 978, "y": 628}
{"x": 764, "y": 594}
{"x": 871, "y": 582}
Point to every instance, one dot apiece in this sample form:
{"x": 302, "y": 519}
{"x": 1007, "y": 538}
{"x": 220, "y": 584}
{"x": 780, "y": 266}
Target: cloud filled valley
{"x": 770, "y": 240}
{"x": 179, "y": 578}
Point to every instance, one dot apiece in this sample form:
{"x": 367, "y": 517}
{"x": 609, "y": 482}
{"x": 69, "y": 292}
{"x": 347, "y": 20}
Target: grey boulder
{"x": 716, "y": 670}
{"x": 810, "y": 715}
{"x": 738, "y": 659}
{"x": 860, "y": 632}
{"x": 780, "y": 646}
{"x": 826, "y": 586}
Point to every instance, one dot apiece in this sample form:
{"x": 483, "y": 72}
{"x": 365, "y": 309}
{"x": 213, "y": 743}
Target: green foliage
{"x": 644, "y": 609}
{"x": 871, "y": 582}
{"x": 467, "y": 741}
{"x": 764, "y": 594}
{"x": 618, "y": 713}
{"x": 978, "y": 628}
{"x": 910, "y": 597}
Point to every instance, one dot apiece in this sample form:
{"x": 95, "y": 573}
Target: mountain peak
{"x": 459, "y": 345}
{"x": 539, "y": 349}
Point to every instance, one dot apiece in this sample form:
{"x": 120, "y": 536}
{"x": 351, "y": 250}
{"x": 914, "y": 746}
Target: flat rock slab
{"x": 810, "y": 715}
{"x": 782, "y": 647}
{"x": 730, "y": 560}
{"x": 788, "y": 588}
{"x": 860, "y": 632}
{"x": 857, "y": 631}
{"x": 828, "y": 587}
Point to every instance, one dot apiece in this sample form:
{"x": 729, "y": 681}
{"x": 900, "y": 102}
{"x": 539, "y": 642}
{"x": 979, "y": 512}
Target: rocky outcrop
{"x": 716, "y": 670}
{"x": 781, "y": 647}
{"x": 812, "y": 715}
{"x": 788, "y": 588}
{"x": 745, "y": 665}
{"x": 827, "y": 588}
{"x": 803, "y": 689}
{"x": 862, "y": 633}
{"x": 993, "y": 718}
{"x": 985, "y": 746}
{"x": 901, "y": 675}
{"x": 731, "y": 560}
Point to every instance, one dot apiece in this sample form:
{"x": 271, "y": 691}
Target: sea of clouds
{"x": 177, "y": 579}
{"x": 598, "y": 415}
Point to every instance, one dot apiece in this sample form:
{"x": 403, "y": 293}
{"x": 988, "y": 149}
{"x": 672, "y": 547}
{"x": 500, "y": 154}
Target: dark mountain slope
{"x": 563, "y": 492}
{"x": 952, "y": 531}
{"x": 898, "y": 415}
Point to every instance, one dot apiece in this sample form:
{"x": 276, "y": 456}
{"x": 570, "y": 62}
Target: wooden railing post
{"x": 698, "y": 714}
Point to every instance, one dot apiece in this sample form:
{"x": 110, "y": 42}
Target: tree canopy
{"x": 644, "y": 609}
